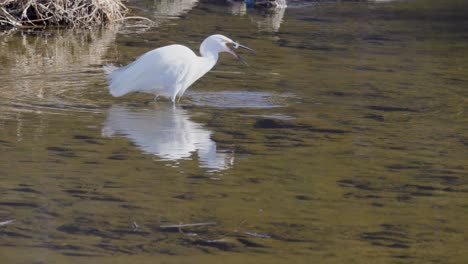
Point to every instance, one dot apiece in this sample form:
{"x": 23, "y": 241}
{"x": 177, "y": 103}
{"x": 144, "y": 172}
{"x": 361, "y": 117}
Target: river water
{"x": 343, "y": 141}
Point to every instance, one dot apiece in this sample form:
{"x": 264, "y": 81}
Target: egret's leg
{"x": 174, "y": 96}
{"x": 180, "y": 93}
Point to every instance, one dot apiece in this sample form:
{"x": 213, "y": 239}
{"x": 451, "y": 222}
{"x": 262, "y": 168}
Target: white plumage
{"x": 170, "y": 70}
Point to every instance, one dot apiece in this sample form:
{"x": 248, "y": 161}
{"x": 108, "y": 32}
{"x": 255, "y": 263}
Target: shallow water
{"x": 344, "y": 141}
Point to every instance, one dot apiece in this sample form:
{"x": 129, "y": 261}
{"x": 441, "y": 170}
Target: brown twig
{"x": 187, "y": 225}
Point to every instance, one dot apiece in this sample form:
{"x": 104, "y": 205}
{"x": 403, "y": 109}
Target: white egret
{"x": 168, "y": 71}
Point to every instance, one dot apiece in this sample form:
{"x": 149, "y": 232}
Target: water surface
{"x": 345, "y": 141}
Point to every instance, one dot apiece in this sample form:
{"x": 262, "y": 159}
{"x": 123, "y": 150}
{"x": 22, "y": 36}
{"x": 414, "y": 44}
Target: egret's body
{"x": 170, "y": 70}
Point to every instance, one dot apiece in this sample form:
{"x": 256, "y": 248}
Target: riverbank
{"x": 66, "y": 13}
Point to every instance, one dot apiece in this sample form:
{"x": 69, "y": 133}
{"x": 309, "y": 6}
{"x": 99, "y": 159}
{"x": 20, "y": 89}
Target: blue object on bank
{"x": 249, "y": 3}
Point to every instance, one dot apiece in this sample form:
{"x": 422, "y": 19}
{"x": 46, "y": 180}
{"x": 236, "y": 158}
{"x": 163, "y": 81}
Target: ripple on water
{"x": 237, "y": 99}
{"x": 53, "y": 71}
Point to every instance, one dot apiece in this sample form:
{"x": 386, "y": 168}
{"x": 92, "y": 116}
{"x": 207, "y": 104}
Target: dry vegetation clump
{"x": 70, "y": 13}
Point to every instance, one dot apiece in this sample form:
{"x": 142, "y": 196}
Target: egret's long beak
{"x": 236, "y": 46}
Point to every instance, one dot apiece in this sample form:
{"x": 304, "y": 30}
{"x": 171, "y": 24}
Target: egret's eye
{"x": 234, "y": 45}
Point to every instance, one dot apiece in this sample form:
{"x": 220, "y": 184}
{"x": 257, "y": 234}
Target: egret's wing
{"x": 158, "y": 71}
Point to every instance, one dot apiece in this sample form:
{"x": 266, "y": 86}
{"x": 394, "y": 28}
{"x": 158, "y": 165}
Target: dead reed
{"x": 69, "y": 13}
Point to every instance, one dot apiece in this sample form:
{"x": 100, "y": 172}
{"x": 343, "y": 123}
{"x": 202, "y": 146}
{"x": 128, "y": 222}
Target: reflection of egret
{"x": 170, "y": 70}
{"x": 168, "y": 133}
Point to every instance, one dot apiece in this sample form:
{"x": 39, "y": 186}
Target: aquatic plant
{"x": 70, "y": 13}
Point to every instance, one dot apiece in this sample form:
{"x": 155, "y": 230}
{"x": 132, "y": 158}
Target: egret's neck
{"x": 207, "y": 53}
{"x": 200, "y": 66}
{"x": 208, "y": 59}
{"x": 209, "y": 50}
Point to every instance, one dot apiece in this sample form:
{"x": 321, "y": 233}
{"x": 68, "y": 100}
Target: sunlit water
{"x": 344, "y": 141}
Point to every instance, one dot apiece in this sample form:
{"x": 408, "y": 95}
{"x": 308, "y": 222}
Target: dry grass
{"x": 70, "y": 13}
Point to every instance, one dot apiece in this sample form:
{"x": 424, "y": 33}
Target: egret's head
{"x": 219, "y": 43}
